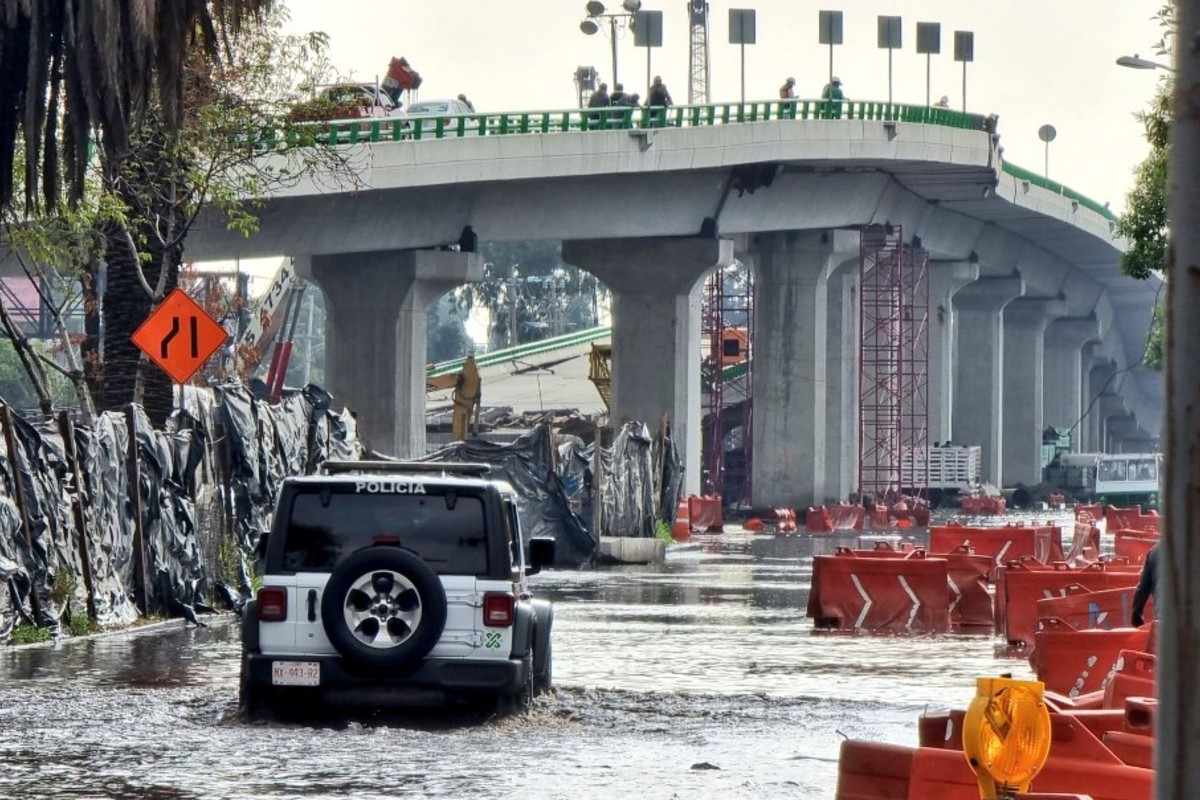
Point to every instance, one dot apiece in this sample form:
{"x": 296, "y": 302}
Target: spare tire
{"x": 383, "y": 607}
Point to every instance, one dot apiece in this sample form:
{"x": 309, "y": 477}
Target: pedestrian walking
{"x": 658, "y": 94}
{"x": 833, "y": 96}
{"x": 788, "y": 90}
{"x": 1147, "y": 587}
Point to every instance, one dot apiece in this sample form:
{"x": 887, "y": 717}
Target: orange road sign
{"x": 179, "y": 336}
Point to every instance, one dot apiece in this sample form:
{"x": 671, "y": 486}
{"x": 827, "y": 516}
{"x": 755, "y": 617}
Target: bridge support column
{"x": 375, "y": 335}
{"x": 978, "y": 374}
{"x": 945, "y": 279}
{"x": 1098, "y": 383}
{"x": 1064, "y": 374}
{"x": 790, "y": 376}
{"x": 656, "y": 291}
{"x": 1112, "y": 411}
{"x": 1025, "y": 322}
{"x": 841, "y": 382}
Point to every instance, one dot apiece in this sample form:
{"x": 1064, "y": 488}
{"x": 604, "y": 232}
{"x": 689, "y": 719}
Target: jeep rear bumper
{"x": 433, "y": 681}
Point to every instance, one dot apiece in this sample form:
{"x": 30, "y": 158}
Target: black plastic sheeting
{"x": 223, "y": 445}
{"x": 640, "y": 481}
{"x": 528, "y": 465}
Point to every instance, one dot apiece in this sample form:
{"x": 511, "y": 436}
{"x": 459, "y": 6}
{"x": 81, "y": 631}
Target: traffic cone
{"x": 682, "y": 528}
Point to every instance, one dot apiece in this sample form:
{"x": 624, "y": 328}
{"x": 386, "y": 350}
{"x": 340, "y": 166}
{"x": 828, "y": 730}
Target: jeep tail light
{"x": 272, "y": 604}
{"x": 497, "y": 610}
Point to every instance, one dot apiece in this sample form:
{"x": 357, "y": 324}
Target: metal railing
{"x": 631, "y": 118}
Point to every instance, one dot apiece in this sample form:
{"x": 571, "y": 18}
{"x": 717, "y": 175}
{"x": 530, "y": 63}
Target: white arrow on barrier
{"x": 957, "y": 594}
{"x": 867, "y": 602}
{"x": 1003, "y": 550}
{"x": 912, "y": 615}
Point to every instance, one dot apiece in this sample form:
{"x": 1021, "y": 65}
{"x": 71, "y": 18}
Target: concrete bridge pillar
{"x": 375, "y": 335}
{"x": 978, "y": 368}
{"x": 1099, "y": 377}
{"x": 841, "y": 381}
{"x": 1025, "y": 322}
{"x": 1064, "y": 374}
{"x": 945, "y": 279}
{"x": 791, "y": 294}
{"x": 656, "y": 286}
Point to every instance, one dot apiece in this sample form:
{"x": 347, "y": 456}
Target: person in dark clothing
{"x": 466, "y": 102}
{"x": 618, "y": 95}
{"x": 658, "y": 96}
{"x": 1147, "y": 586}
{"x": 833, "y": 96}
{"x": 599, "y": 98}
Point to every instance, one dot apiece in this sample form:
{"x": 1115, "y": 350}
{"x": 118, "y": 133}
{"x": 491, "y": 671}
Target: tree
{"x": 1144, "y": 222}
{"x": 446, "y": 335}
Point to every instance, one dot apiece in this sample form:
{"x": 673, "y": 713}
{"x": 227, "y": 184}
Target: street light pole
{"x": 612, "y": 36}
{"x": 1136, "y": 62}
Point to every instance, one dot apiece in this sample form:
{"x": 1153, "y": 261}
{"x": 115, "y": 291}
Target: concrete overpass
{"x": 1031, "y": 317}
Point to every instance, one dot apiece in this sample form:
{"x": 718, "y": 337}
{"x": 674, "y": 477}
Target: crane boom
{"x": 698, "y": 63}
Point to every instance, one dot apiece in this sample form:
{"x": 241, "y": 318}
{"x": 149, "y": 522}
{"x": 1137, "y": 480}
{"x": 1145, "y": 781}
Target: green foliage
{"x": 1144, "y": 223}
{"x": 80, "y": 625}
{"x": 63, "y": 587}
{"x": 662, "y": 530}
{"x": 30, "y": 634}
{"x": 446, "y": 333}
{"x": 16, "y": 387}
{"x": 1156, "y": 339}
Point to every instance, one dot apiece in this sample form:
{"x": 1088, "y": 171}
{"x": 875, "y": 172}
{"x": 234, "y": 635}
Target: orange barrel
{"x": 1023, "y": 585}
{"x": 1075, "y": 663}
{"x": 862, "y": 590}
{"x": 970, "y": 601}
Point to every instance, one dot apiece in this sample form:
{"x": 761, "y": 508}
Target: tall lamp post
{"x": 596, "y": 15}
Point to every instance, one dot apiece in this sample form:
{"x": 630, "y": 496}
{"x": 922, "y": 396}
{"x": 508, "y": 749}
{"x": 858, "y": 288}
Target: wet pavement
{"x": 697, "y": 678}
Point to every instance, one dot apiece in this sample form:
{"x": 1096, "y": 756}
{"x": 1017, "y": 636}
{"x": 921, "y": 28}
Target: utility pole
{"x": 1177, "y": 603}
{"x": 698, "y": 93}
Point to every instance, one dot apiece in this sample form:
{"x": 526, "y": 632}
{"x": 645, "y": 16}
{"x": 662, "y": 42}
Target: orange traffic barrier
{"x": 879, "y": 590}
{"x": 1093, "y": 512}
{"x": 1133, "y": 676}
{"x": 781, "y": 520}
{"x": 982, "y": 505}
{"x": 681, "y": 528}
{"x": 1134, "y": 544}
{"x": 1002, "y": 544}
{"x": 1085, "y": 609}
{"x": 968, "y": 576}
{"x": 1020, "y": 585}
{"x": 1073, "y": 662}
{"x": 705, "y": 514}
{"x": 1139, "y": 715}
{"x": 1131, "y": 519}
{"x": 1132, "y": 748}
{"x": 817, "y": 520}
{"x": 1085, "y": 545}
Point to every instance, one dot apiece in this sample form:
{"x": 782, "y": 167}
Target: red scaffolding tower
{"x": 728, "y": 331}
{"x": 893, "y": 431}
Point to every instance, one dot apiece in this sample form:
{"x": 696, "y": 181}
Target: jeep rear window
{"x": 324, "y": 527}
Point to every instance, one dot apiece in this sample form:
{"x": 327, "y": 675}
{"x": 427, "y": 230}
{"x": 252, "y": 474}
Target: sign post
{"x": 179, "y": 336}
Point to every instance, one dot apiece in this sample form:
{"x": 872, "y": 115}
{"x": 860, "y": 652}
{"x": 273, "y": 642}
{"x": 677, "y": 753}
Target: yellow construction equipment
{"x": 467, "y": 395}
{"x": 600, "y": 372}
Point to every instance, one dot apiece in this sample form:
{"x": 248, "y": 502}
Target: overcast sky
{"x": 1036, "y": 62}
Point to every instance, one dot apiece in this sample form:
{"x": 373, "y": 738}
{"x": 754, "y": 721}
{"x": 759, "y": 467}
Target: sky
{"x": 1037, "y": 62}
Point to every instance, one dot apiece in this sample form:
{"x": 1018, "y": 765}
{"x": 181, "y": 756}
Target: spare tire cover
{"x": 383, "y": 607}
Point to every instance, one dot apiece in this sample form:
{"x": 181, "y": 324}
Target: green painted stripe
{"x": 1022, "y": 174}
{"x": 523, "y": 350}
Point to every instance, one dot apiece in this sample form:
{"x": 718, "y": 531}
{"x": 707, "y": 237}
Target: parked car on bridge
{"x": 428, "y": 112}
{"x": 396, "y": 583}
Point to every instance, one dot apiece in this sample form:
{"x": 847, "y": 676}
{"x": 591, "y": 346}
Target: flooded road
{"x": 697, "y": 678}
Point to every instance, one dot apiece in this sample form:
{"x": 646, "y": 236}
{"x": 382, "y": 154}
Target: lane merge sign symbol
{"x": 179, "y": 336}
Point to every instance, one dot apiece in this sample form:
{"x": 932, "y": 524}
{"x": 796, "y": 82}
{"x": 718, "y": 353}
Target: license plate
{"x": 296, "y": 673}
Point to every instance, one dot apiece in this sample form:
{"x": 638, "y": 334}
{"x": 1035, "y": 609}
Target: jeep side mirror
{"x": 541, "y": 554}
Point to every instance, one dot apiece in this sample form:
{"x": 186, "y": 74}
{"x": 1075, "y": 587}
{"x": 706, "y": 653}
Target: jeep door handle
{"x": 312, "y": 605}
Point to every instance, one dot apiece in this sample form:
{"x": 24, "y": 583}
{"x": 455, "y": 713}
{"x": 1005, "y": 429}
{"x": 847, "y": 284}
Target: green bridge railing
{"x": 507, "y": 354}
{"x": 632, "y": 118}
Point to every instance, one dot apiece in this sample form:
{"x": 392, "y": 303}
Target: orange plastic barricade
{"x": 781, "y": 520}
{"x": 1002, "y": 544}
{"x": 880, "y": 590}
{"x": 979, "y": 505}
{"x": 1139, "y": 715}
{"x": 873, "y": 771}
{"x": 1120, "y": 519}
{"x": 1134, "y": 544}
{"x": 1085, "y": 609}
{"x": 1133, "y": 676}
{"x": 1023, "y": 584}
{"x": 1085, "y": 545}
{"x": 846, "y": 516}
{"x": 817, "y": 520}
{"x": 706, "y": 514}
{"x": 1075, "y": 663}
{"x": 970, "y": 601}
{"x": 1132, "y": 748}
{"x": 1090, "y": 513}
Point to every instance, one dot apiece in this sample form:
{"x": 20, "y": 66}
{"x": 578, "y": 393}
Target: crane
{"x": 698, "y": 62}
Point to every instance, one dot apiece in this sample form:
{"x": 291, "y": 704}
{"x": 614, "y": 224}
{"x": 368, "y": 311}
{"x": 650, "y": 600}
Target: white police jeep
{"x": 396, "y": 583}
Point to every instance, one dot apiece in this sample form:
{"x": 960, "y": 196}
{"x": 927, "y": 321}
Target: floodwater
{"x": 697, "y": 678}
